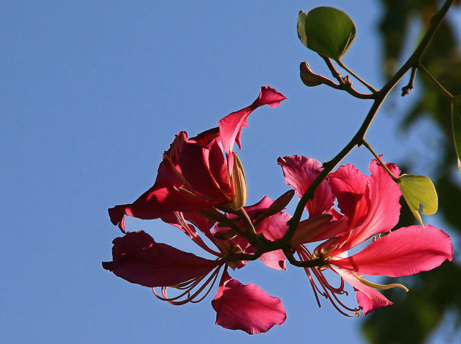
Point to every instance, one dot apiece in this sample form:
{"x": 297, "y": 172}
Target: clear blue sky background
{"x": 93, "y": 92}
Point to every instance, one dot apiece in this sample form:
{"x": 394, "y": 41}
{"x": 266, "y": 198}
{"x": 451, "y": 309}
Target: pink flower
{"x": 200, "y": 172}
{"x": 138, "y": 259}
{"x": 370, "y": 207}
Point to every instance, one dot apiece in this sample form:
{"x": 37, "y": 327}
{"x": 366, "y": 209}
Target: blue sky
{"x": 93, "y": 92}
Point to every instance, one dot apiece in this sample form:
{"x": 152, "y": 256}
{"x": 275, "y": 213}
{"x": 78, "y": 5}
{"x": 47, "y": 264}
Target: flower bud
{"x": 309, "y": 78}
{"x": 239, "y": 185}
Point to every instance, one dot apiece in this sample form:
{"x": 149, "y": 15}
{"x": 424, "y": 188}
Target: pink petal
{"x": 256, "y": 209}
{"x": 368, "y": 298}
{"x": 348, "y": 185}
{"x": 274, "y": 259}
{"x": 368, "y": 302}
{"x": 383, "y": 195}
{"x": 371, "y": 210}
{"x": 246, "y": 307}
{"x": 274, "y": 227}
{"x": 406, "y": 251}
{"x": 299, "y": 173}
{"x": 230, "y": 127}
{"x": 318, "y": 228}
{"x": 138, "y": 259}
{"x": 268, "y": 96}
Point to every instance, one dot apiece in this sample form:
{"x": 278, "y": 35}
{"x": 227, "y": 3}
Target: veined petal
{"x": 230, "y": 127}
{"x": 368, "y": 298}
{"x": 371, "y": 210}
{"x": 383, "y": 195}
{"x": 138, "y": 259}
{"x": 348, "y": 185}
{"x": 246, "y": 307}
{"x": 403, "y": 252}
{"x": 299, "y": 173}
{"x": 318, "y": 228}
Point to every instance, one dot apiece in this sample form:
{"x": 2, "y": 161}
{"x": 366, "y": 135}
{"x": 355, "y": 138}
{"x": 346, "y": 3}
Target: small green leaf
{"x": 456, "y": 126}
{"x": 326, "y": 30}
{"x": 419, "y": 193}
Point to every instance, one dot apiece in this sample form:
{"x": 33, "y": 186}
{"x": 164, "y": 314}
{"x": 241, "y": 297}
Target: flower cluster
{"x": 201, "y": 189}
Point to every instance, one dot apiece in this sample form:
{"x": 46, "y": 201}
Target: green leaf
{"x": 456, "y": 126}
{"x": 419, "y": 193}
{"x": 326, "y": 30}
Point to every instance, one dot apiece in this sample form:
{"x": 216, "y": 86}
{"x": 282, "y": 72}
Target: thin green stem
{"x": 344, "y": 83}
{"x": 445, "y": 92}
{"x": 371, "y": 88}
{"x": 366, "y": 144}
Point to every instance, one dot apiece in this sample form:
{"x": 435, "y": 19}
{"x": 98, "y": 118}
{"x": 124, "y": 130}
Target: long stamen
{"x": 190, "y": 294}
{"x": 304, "y": 255}
{"x": 325, "y": 289}
{"x": 380, "y": 286}
{"x": 193, "y": 234}
{"x": 333, "y": 296}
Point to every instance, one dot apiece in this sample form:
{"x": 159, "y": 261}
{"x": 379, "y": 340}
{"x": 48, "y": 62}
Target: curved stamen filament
{"x": 304, "y": 255}
{"x": 324, "y": 288}
{"x": 332, "y": 295}
{"x": 193, "y": 234}
{"x": 189, "y": 294}
{"x": 379, "y": 286}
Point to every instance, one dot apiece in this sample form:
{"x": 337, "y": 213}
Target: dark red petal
{"x": 156, "y": 202}
{"x": 203, "y": 171}
{"x": 138, "y": 259}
